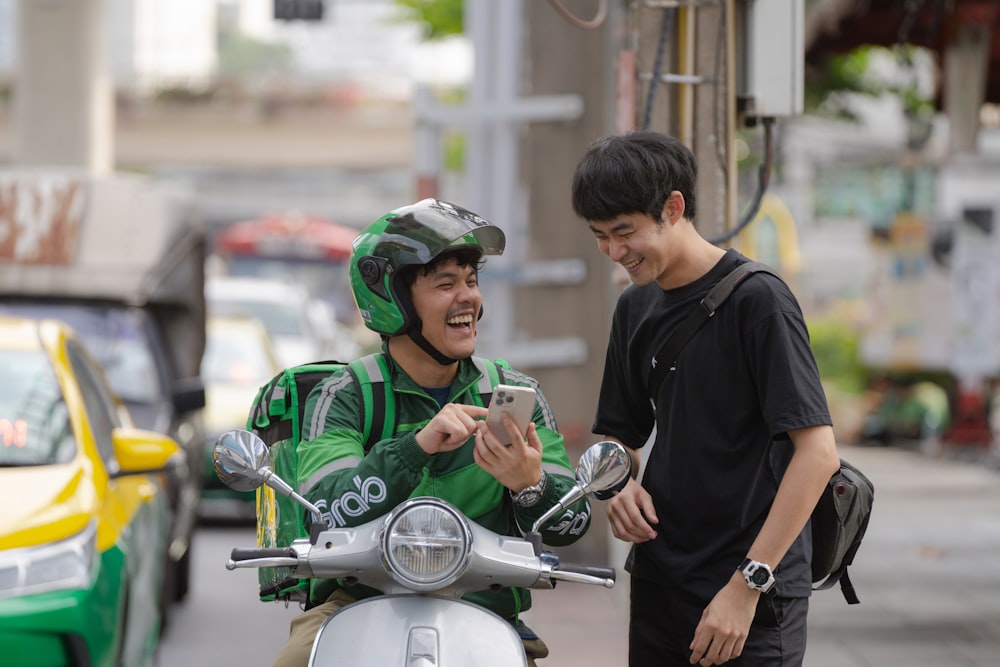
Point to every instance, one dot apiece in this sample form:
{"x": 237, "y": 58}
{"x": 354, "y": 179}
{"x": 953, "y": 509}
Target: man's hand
{"x": 725, "y": 624}
{"x": 516, "y": 466}
{"x": 631, "y": 512}
{"x": 450, "y": 428}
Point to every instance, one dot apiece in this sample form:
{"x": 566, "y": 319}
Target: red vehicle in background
{"x": 294, "y": 247}
{"x": 290, "y": 237}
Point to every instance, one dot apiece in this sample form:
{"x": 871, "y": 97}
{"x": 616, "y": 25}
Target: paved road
{"x": 221, "y": 623}
{"x": 927, "y": 576}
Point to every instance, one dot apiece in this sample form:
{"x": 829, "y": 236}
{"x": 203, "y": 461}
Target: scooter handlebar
{"x": 585, "y": 574}
{"x": 251, "y": 558}
{"x": 240, "y": 554}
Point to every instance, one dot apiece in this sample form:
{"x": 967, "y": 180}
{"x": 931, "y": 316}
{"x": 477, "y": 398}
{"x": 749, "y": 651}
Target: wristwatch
{"x": 757, "y": 575}
{"x": 530, "y": 495}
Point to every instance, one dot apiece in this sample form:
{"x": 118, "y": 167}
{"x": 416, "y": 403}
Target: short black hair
{"x": 633, "y": 173}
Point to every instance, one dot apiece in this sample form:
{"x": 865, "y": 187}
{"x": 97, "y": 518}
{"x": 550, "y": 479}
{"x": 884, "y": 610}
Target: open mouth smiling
{"x": 460, "y": 321}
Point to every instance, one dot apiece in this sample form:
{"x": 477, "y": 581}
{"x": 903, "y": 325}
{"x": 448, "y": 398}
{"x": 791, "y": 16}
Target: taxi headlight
{"x": 426, "y": 544}
{"x": 63, "y": 565}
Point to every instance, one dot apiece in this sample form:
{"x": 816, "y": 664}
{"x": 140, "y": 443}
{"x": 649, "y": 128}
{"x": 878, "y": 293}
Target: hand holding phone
{"x": 518, "y": 402}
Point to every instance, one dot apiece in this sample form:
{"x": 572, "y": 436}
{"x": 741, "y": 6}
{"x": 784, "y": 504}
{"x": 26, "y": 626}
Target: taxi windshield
{"x": 34, "y": 422}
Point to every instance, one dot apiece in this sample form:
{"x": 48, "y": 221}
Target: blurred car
{"x": 130, "y": 348}
{"x": 302, "y": 329}
{"x": 86, "y": 520}
{"x": 239, "y": 359}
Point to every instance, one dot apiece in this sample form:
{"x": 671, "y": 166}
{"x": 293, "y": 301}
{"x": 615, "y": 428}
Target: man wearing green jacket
{"x": 414, "y": 274}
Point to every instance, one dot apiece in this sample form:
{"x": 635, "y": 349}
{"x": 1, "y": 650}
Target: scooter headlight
{"x": 426, "y": 544}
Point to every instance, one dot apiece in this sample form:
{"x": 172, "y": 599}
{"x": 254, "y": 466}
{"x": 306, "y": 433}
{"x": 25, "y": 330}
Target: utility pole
{"x": 685, "y": 74}
{"x": 714, "y": 120}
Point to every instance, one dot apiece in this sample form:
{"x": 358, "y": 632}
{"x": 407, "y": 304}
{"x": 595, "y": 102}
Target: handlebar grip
{"x": 588, "y": 570}
{"x": 253, "y": 554}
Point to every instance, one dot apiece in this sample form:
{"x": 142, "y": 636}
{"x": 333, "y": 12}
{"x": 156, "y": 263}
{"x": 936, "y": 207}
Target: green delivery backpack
{"x": 276, "y": 416}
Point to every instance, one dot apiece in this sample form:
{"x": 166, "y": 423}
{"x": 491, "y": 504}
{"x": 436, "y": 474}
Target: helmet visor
{"x": 416, "y": 235}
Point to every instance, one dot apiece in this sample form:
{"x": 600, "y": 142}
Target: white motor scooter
{"x": 424, "y": 555}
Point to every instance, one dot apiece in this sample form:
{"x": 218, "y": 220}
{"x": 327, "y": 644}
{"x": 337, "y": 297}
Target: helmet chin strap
{"x": 416, "y": 335}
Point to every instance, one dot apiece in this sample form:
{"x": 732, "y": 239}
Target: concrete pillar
{"x": 63, "y": 97}
{"x": 563, "y": 59}
{"x": 966, "y": 62}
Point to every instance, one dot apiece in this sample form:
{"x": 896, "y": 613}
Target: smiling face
{"x": 447, "y": 300}
{"x": 646, "y": 248}
{"x": 636, "y": 243}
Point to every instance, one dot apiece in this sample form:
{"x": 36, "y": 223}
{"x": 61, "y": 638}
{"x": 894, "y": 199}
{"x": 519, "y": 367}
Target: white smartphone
{"x": 518, "y": 402}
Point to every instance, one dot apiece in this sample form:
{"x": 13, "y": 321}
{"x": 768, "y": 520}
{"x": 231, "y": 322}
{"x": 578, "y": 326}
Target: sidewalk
{"x": 928, "y": 575}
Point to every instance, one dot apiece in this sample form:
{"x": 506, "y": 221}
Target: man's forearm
{"x": 814, "y": 461}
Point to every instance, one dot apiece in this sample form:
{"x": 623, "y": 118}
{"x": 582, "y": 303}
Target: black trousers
{"x": 663, "y": 620}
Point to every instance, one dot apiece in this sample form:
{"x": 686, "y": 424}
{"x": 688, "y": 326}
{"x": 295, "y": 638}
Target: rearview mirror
{"x": 604, "y": 468}
{"x": 243, "y": 463}
{"x": 241, "y": 460}
{"x": 139, "y": 451}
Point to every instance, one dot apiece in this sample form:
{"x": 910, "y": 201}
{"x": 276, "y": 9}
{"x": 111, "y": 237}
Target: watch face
{"x": 760, "y": 576}
{"x": 527, "y": 498}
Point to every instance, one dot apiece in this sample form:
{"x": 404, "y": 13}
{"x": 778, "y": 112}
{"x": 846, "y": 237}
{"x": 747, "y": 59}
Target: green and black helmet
{"x": 413, "y": 235}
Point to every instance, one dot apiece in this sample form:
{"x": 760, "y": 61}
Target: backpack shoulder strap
{"x": 375, "y": 396}
{"x": 666, "y": 358}
{"x": 492, "y": 371}
{"x": 731, "y": 281}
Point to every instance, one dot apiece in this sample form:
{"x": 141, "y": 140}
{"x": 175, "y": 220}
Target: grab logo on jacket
{"x": 571, "y": 523}
{"x": 355, "y": 503}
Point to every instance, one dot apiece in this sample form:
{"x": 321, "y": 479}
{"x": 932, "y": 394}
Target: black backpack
{"x": 841, "y": 516}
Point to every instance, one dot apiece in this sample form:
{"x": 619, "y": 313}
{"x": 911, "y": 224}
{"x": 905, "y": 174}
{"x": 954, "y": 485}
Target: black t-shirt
{"x": 746, "y": 378}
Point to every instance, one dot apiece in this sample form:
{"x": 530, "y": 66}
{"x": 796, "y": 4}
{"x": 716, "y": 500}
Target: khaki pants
{"x": 304, "y": 627}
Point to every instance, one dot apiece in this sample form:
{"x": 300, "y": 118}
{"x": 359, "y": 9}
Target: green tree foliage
{"x": 439, "y": 18}
{"x": 835, "y": 346}
{"x": 863, "y": 71}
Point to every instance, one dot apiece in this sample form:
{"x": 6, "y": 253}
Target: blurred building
{"x": 151, "y": 44}
{"x": 155, "y": 45}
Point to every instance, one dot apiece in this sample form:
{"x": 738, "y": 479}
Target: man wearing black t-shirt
{"x": 743, "y": 438}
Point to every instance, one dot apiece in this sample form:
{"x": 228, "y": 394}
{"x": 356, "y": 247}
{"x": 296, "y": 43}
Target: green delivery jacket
{"x": 351, "y": 487}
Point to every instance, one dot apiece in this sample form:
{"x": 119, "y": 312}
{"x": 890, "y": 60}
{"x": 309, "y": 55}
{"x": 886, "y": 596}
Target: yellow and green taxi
{"x": 85, "y": 519}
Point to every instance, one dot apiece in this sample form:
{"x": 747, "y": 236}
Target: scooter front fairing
{"x": 416, "y": 631}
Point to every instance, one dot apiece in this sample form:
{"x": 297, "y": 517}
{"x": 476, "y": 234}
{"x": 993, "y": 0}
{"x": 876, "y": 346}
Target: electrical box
{"x": 770, "y": 56}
